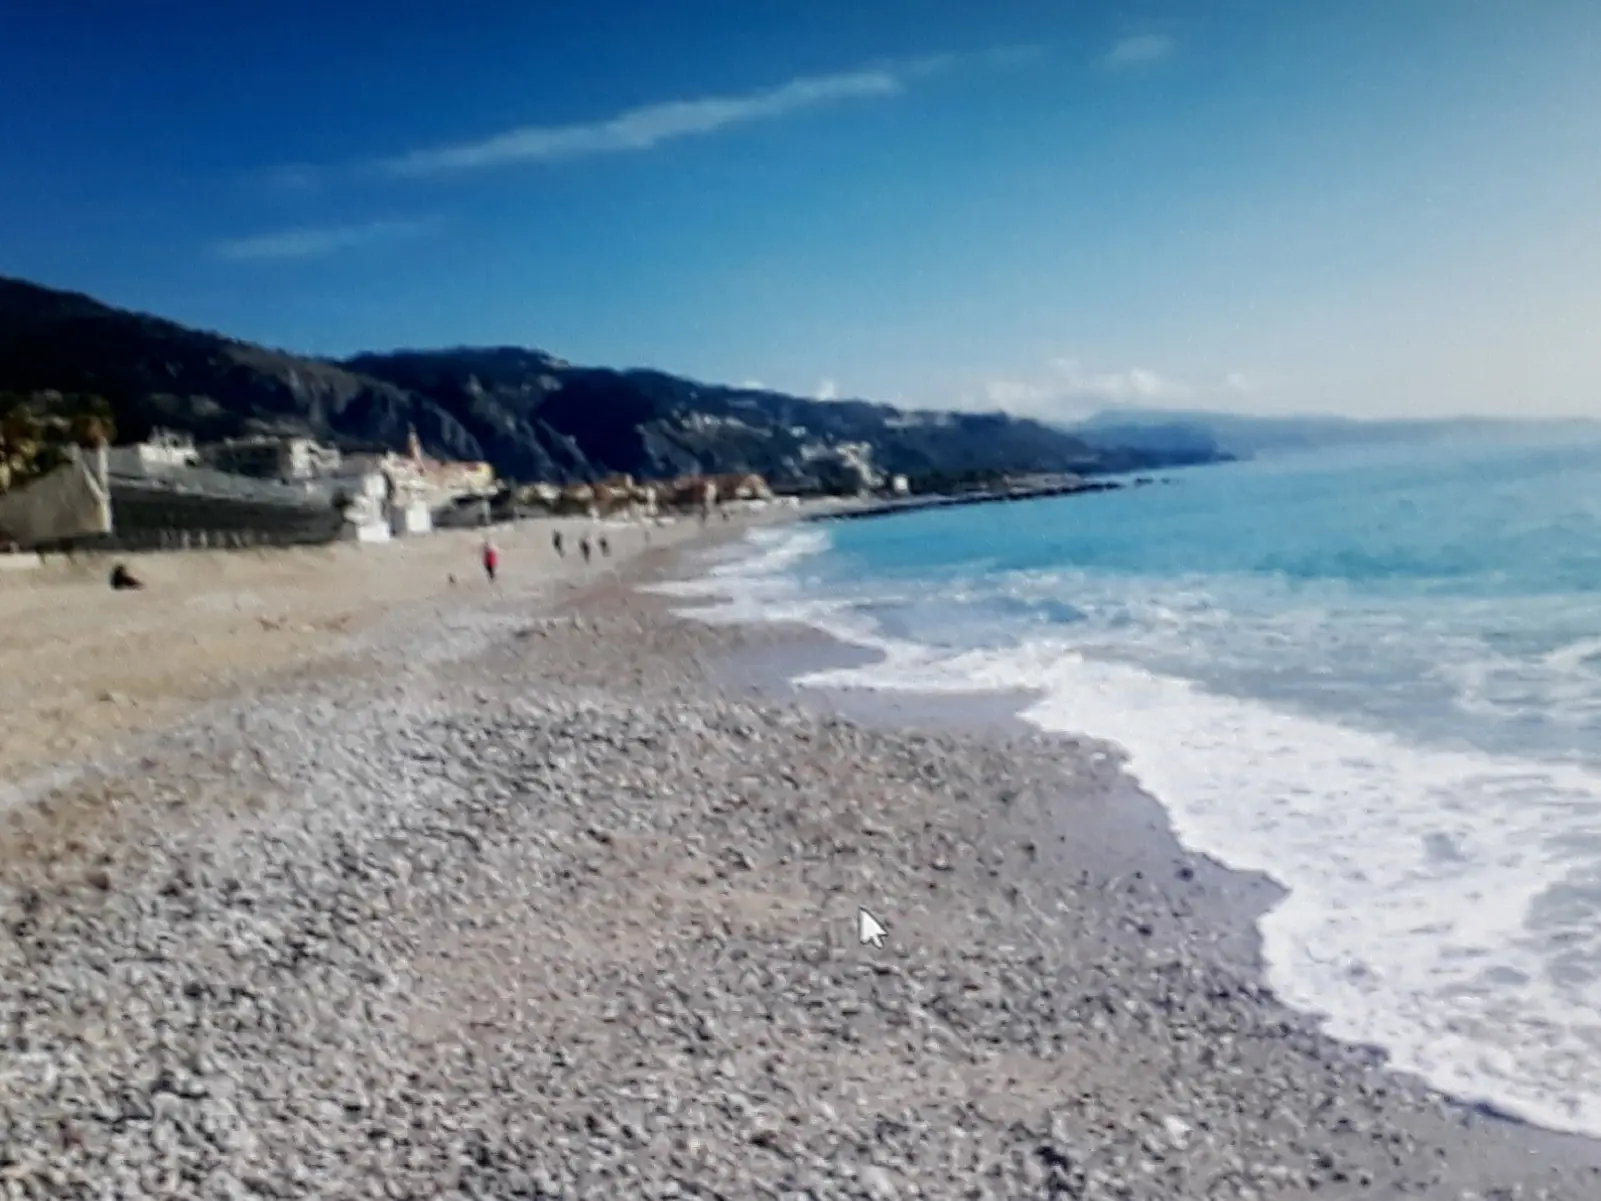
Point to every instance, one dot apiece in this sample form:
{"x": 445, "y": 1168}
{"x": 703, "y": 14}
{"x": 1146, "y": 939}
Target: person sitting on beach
{"x": 555, "y": 541}
{"x": 491, "y": 559}
{"x": 123, "y": 579}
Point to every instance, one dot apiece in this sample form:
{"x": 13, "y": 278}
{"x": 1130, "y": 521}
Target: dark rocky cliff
{"x": 158, "y": 373}
{"x": 529, "y": 414}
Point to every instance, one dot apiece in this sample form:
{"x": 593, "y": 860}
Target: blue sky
{"x": 1382, "y": 207}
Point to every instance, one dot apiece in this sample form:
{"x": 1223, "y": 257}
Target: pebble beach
{"x": 544, "y": 891}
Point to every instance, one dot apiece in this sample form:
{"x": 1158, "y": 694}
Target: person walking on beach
{"x": 605, "y": 547}
{"x": 555, "y": 540}
{"x": 583, "y": 548}
{"x": 491, "y": 559}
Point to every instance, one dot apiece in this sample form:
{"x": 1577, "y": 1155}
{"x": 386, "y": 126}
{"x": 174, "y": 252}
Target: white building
{"x": 270, "y": 457}
{"x": 163, "y": 451}
{"x": 410, "y": 517}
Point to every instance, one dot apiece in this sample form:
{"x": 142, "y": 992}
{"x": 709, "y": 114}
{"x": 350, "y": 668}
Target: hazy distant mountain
{"x": 1173, "y": 432}
{"x": 529, "y": 414}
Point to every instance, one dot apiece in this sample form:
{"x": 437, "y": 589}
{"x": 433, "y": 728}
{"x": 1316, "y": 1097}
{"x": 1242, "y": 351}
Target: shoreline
{"x": 1243, "y": 896}
{"x": 770, "y": 672}
{"x": 542, "y": 902}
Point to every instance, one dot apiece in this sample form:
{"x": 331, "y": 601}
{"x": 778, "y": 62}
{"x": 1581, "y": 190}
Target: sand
{"x": 527, "y": 893}
{"x": 85, "y": 670}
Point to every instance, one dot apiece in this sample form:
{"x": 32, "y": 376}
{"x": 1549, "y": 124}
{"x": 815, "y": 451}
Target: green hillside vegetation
{"x": 39, "y": 430}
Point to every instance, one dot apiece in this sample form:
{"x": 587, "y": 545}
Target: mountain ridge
{"x": 1247, "y": 435}
{"x": 530, "y": 414}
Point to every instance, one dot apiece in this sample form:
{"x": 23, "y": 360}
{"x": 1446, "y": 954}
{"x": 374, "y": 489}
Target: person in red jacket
{"x": 491, "y": 559}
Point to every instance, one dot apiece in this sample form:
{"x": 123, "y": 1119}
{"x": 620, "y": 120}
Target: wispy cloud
{"x": 1015, "y": 396}
{"x": 1130, "y": 385}
{"x": 1068, "y": 390}
{"x": 1140, "y": 50}
{"x": 290, "y": 177}
{"x": 652, "y": 124}
{"x": 643, "y": 128}
{"x": 306, "y": 242}
{"x": 827, "y": 390}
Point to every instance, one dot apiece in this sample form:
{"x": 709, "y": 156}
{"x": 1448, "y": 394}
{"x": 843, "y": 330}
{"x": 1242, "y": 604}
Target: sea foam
{"x": 1440, "y": 903}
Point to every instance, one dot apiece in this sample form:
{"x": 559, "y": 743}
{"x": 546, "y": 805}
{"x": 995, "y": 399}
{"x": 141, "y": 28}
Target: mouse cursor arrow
{"x": 869, "y": 930}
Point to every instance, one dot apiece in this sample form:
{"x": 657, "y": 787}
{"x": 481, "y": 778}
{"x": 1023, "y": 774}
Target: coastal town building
{"x": 71, "y": 502}
{"x": 441, "y": 480}
{"x": 154, "y": 498}
{"x": 272, "y": 458}
{"x": 546, "y": 495}
{"x": 162, "y": 451}
{"x": 408, "y": 518}
{"x": 750, "y": 487}
{"x": 844, "y": 468}
{"x": 169, "y": 492}
{"x": 618, "y": 494}
{"x": 413, "y": 476}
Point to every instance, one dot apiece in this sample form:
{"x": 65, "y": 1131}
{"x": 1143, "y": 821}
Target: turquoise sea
{"x": 1372, "y": 674}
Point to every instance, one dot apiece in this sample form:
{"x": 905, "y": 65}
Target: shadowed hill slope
{"x": 529, "y": 414}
